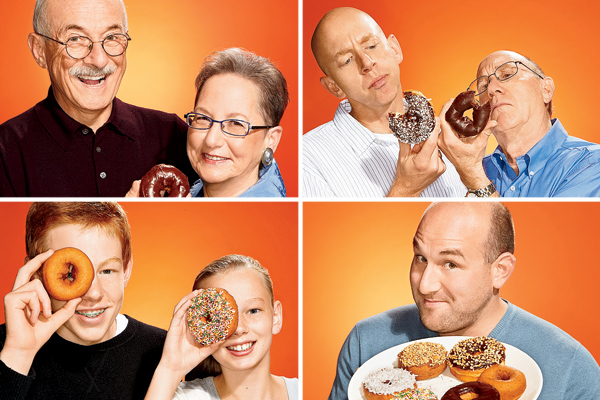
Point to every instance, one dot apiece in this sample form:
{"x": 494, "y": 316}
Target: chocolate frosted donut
{"x": 417, "y": 122}
{"x": 470, "y": 357}
{"x": 482, "y": 390}
{"x": 463, "y": 124}
{"x": 164, "y": 181}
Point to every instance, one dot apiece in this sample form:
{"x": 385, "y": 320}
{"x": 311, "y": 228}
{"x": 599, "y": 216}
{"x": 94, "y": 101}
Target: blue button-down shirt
{"x": 559, "y": 165}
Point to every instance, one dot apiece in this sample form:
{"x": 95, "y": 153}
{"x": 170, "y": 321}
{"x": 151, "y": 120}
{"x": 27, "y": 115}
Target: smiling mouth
{"x": 214, "y": 158}
{"x": 241, "y": 347}
{"x": 91, "y": 314}
{"x": 92, "y": 80}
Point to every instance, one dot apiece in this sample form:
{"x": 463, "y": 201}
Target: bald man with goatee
{"x": 356, "y": 154}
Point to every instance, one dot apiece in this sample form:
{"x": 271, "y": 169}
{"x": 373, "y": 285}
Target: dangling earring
{"x": 267, "y": 156}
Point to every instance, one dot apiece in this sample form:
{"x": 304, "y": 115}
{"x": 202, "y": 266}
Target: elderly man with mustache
{"x": 81, "y": 140}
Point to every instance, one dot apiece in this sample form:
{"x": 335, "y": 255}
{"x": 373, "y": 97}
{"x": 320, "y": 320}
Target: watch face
{"x": 471, "y": 194}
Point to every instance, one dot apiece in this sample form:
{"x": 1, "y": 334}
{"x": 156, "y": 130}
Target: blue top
{"x": 559, "y": 165}
{"x": 569, "y": 370}
{"x": 270, "y": 184}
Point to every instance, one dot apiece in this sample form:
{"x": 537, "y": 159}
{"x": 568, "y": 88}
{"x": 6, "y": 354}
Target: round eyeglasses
{"x": 231, "y": 127}
{"x": 79, "y": 47}
{"x": 503, "y": 73}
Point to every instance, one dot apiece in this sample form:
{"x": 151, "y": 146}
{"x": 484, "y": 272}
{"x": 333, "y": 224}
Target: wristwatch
{"x": 484, "y": 192}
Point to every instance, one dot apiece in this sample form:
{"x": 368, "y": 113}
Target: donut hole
{"x": 165, "y": 192}
{"x": 469, "y": 396}
{"x": 68, "y": 276}
{"x": 503, "y": 376}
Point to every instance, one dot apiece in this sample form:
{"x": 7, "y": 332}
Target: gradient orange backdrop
{"x": 444, "y": 41}
{"x": 170, "y": 40}
{"x": 357, "y": 257}
{"x": 172, "y": 242}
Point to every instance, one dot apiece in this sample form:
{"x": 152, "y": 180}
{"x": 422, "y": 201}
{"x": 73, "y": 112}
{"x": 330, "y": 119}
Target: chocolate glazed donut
{"x": 462, "y": 124}
{"x": 164, "y": 178}
{"x": 483, "y": 391}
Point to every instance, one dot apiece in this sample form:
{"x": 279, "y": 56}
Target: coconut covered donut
{"x": 164, "y": 181}
{"x": 424, "y": 359}
{"x": 212, "y": 316}
{"x": 417, "y": 122}
{"x": 470, "y": 357}
{"x": 67, "y": 274}
{"x": 510, "y": 382}
{"x": 472, "y": 390}
{"x": 388, "y": 383}
{"x": 462, "y": 124}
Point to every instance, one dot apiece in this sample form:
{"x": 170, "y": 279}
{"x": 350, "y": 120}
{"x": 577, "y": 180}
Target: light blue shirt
{"x": 270, "y": 184}
{"x": 343, "y": 158}
{"x": 569, "y": 370}
{"x": 559, "y": 165}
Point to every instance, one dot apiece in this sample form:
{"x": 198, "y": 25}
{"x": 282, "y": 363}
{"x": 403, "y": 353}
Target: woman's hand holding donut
{"x": 466, "y": 153}
{"x": 29, "y": 318}
{"x": 181, "y": 354}
{"x": 418, "y": 166}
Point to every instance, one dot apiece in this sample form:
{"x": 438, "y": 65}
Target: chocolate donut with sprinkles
{"x": 212, "y": 316}
{"x": 470, "y": 357}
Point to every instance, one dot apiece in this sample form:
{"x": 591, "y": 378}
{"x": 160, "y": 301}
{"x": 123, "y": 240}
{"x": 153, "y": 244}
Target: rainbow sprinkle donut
{"x": 213, "y": 316}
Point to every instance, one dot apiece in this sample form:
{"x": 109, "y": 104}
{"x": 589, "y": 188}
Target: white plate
{"x": 439, "y": 385}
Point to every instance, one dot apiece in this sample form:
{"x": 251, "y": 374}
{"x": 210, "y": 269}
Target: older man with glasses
{"x": 535, "y": 156}
{"x": 81, "y": 140}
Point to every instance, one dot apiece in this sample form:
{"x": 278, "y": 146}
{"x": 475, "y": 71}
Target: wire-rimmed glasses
{"x": 503, "y": 73}
{"x": 79, "y": 47}
{"x": 231, "y": 127}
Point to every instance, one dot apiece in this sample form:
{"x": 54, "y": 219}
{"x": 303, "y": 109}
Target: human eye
{"x": 420, "y": 259}
{"x": 450, "y": 265}
{"x": 107, "y": 272}
{"x": 372, "y": 46}
{"x": 76, "y": 39}
{"x": 254, "y": 311}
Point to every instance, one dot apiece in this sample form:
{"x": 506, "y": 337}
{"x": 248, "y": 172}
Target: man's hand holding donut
{"x": 30, "y": 321}
{"x": 418, "y": 166}
{"x": 466, "y": 153}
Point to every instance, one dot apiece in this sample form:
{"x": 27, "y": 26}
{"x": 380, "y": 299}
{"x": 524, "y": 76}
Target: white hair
{"x": 41, "y": 24}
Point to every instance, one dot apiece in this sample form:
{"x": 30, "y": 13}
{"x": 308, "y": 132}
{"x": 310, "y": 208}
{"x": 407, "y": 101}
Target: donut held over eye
{"x": 417, "y": 122}
{"x": 164, "y": 181}
{"x": 67, "y": 274}
{"x": 472, "y": 390}
{"x": 212, "y": 316}
{"x": 463, "y": 125}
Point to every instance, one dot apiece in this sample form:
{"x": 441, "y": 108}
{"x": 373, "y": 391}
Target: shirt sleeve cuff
{"x": 13, "y": 384}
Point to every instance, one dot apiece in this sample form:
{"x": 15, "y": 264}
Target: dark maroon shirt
{"x": 46, "y": 153}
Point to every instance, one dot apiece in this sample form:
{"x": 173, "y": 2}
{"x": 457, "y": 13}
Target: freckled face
{"x": 94, "y": 319}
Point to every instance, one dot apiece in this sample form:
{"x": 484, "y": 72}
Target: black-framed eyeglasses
{"x": 231, "y": 127}
{"x": 503, "y": 73}
{"x": 79, "y": 47}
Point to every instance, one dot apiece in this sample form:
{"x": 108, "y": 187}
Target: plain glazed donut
{"x": 212, "y": 316}
{"x": 463, "y": 124}
{"x": 417, "y": 122}
{"x": 166, "y": 179}
{"x": 388, "y": 383}
{"x": 510, "y": 382}
{"x": 424, "y": 359}
{"x": 482, "y": 391}
{"x": 67, "y": 274}
{"x": 470, "y": 357}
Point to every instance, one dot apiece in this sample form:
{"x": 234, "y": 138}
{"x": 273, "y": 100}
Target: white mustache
{"x": 83, "y": 70}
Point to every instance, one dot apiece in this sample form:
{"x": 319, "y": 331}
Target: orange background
{"x": 357, "y": 257}
{"x": 172, "y": 242}
{"x": 170, "y": 41}
{"x": 444, "y": 41}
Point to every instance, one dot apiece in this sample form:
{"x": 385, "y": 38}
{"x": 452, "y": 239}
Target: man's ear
{"x": 502, "y": 268}
{"x": 548, "y": 89}
{"x": 37, "y": 47}
{"x": 395, "y": 45}
{"x": 332, "y": 87}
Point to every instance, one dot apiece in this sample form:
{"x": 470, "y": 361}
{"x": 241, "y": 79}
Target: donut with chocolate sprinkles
{"x": 417, "y": 122}
{"x": 212, "y": 316}
{"x": 470, "y": 357}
